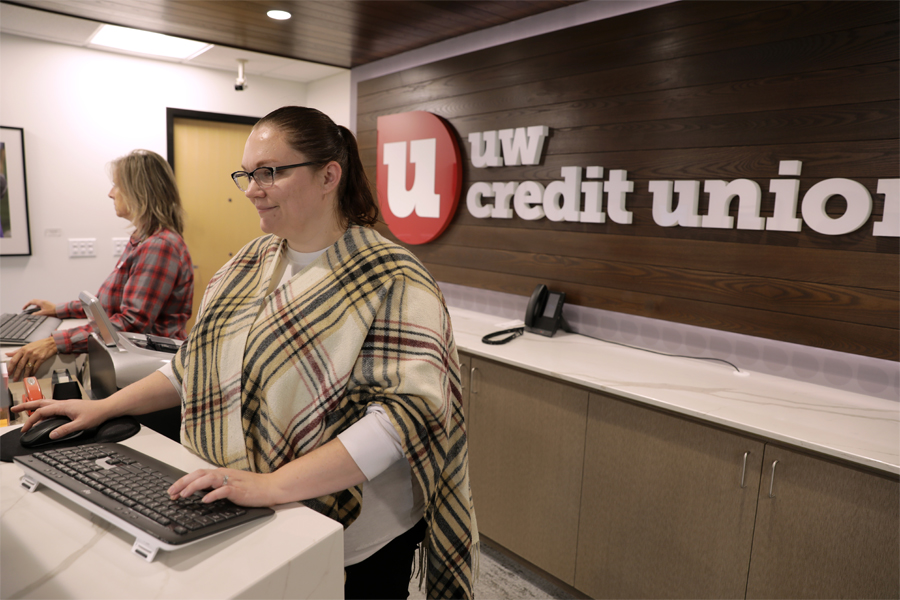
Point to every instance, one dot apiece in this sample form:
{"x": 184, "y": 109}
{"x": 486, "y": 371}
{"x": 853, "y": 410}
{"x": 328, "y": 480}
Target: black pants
{"x": 385, "y": 574}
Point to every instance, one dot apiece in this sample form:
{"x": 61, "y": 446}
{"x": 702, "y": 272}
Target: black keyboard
{"x": 17, "y": 327}
{"x": 115, "y": 480}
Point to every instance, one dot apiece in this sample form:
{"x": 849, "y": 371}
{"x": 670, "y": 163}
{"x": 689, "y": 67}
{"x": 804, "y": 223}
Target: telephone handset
{"x": 544, "y": 313}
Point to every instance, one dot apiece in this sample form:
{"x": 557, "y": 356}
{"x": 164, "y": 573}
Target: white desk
{"x": 52, "y": 548}
{"x": 853, "y": 427}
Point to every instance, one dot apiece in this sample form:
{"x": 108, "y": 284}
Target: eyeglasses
{"x": 264, "y": 176}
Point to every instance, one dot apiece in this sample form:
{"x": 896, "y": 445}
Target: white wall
{"x": 331, "y": 95}
{"x": 82, "y": 108}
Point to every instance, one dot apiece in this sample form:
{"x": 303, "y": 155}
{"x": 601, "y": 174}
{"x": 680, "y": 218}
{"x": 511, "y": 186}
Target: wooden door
{"x": 219, "y": 220}
{"x": 525, "y": 459}
{"x": 826, "y": 531}
{"x": 664, "y": 510}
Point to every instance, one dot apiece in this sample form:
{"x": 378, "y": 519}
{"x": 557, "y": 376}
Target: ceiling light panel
{"x": 147, "y": 43}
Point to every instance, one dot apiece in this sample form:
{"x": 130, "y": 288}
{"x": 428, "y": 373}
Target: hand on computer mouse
{"x": 84, "y": 414}
{"x": 39, "y": 435}
{"x": 40, "y": 307}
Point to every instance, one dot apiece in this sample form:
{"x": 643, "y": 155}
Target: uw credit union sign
{"x": 419, "y": 203}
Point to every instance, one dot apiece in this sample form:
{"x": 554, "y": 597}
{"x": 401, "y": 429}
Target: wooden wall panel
{"x": 685, "y": 91}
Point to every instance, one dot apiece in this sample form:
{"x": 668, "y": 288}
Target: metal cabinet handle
{"x": 772, "y": 481}
{"x": 744, "y": 470}
{"x": 472, "y": 389}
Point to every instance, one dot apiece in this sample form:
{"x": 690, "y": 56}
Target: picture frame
{"x": 15, "y": 229}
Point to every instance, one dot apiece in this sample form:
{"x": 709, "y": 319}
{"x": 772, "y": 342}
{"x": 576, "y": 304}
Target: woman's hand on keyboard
{"x": 241, "y": 487}
{"x": 325, "y": 470}
{"x": 25, "y": 361}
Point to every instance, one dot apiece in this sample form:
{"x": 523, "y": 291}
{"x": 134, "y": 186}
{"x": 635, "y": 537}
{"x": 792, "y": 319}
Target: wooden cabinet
{"x": 526, "y": 449}
{"x": 622, "y": 500}
{"x": 667, "y": 505}
{"x": 824, "y": 530}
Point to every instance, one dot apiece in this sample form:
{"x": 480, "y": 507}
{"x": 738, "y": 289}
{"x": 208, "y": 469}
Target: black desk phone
{"x": 544, "y": 313}
{"x": 543, "y": 316}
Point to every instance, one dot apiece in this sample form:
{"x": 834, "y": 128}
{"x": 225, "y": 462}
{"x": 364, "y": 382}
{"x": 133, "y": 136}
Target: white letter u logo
{"x": 422, "y": 197}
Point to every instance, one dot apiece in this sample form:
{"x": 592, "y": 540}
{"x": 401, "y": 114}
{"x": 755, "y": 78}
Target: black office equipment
{"x": 162, "y": 344}
{"x": 543, "y": 316}
{"x": 63, "y": 386}
{"x": 23, "y": 328}
{"x": 116, "y": 429}
{"x": 128, "y": 489}
{"x": 502, "y": 337}
{"x": 544, "y": 313}
{"x": 117, "y": 359}
{"x": 39, "y": 435}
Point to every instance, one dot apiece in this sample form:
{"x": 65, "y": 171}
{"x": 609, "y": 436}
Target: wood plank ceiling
{"x": 340, "y": 33}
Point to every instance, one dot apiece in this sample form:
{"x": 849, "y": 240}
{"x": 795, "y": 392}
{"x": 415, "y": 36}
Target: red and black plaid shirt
{"x": 151, "y": 290}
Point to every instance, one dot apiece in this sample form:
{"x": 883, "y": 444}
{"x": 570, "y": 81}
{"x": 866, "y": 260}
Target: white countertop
{"x": 854, "y": 427}
{"x": 52, "y": 548}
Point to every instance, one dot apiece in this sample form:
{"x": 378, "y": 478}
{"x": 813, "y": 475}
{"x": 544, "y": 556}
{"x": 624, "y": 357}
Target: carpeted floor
{"x": 503, "y": 578}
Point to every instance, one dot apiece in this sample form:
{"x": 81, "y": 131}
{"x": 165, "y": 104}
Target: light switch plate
{"x": 119, "y": 245}
{"x": 81, "y": 247}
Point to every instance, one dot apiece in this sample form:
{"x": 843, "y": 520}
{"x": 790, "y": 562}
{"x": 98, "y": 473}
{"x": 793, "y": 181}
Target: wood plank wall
{"x": 684, "y": 91}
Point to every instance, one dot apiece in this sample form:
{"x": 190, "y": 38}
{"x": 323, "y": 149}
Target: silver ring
{"x": 225, "y": 481}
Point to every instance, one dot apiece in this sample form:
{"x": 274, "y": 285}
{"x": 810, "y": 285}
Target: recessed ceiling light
{"x": 145, "y": 42}
{"x": 279, "y": 15}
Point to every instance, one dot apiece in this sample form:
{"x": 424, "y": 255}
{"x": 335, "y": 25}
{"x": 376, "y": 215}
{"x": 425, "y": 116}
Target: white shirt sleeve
{"x": 372, "y": 442}
{"x": 169, "y": 372}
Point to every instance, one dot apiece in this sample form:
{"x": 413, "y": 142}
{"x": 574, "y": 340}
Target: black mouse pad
{"x": 114, "y": 430}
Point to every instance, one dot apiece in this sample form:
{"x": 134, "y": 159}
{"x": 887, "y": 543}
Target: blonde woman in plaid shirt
{"x": 151, "y": 289}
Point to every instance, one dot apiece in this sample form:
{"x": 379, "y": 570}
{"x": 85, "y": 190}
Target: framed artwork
{"x": 15, "y": 235}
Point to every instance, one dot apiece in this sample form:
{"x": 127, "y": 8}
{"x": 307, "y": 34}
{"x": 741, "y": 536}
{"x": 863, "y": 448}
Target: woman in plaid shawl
{"x": 322, "y": 369}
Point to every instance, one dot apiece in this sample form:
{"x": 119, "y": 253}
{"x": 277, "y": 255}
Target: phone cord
{"x": 510, "y": 333}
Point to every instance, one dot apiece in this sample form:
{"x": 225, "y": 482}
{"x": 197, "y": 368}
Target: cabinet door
{"x": 826, "y": 531}
{"x": 465, "y": 369}
{"x": 526, "y": 455}
{"x": 663, "y": 510}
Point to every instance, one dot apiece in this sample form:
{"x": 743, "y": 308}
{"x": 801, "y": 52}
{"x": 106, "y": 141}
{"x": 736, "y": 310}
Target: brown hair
{"x": 148, "y": 185}
{"x": 319, "y": 139}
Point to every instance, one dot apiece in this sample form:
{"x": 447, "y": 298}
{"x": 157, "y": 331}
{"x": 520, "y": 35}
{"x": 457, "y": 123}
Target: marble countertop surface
{"x": 853, "y": 427}
{"x": 53, "y": 548}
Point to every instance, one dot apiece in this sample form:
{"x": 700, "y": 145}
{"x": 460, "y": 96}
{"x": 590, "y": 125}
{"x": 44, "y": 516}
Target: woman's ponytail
{"x": 357, "y": 203}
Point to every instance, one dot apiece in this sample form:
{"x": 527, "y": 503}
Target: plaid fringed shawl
{"x": 267, "y": 377}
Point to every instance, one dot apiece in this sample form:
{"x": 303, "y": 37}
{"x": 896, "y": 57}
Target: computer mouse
{"x": 39, "y": 435}
{"x": 31, "y": 309}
